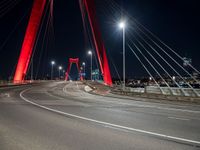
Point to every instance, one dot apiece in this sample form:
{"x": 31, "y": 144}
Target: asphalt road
{"x": 62, "y": 116}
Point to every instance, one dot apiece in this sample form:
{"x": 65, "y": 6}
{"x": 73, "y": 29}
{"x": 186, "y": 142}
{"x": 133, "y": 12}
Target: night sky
{"x": 176, "y": 22}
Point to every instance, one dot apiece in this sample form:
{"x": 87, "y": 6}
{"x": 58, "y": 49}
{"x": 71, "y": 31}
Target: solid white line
{"x": 143, "y": 106}
{"x": 64, "y": 89}
{"x": 77, "y": 85}
{"x": 109, "y": 124}
{"x": 60, "y": 98}
{"x": 184, "y": 119}
{"x": 177, "y": 109}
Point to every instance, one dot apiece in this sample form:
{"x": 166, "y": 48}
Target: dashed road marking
{"x": 177, "y": 118}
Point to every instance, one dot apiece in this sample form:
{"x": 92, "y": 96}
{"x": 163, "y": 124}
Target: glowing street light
{"x": 59, "y": 69}
{"x": 52, "y": 64}
{"x": 122, "y": 25}
{"x": 63, "y": 73}
{"x": 83, "y": 64}
{"x": 90, "y": 53}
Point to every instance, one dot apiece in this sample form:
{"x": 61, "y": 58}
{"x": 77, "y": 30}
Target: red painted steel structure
{"x": 73, "y": 61}
{"x": 31, "y": 33}
{"x": 29, "y": 40}
{"x": 98, "y": 42}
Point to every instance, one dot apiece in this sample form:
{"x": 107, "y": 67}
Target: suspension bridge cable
{"x": 169, "y": 57}
{"x": 154, "y": 68}
{"x": 162, "y": 68}
{"x": 87, "y": 33}
{"x": 83, "y": 15}
{"x": 7, "y": 5}
{"x": 165, "y": 62}
{"x": 3, "y": 3}
{"x": 50, "y": 37}
{"x": 166, "y": 47}
{"x": 43, "y": 41}
{"x": 26, "y": 13}
{"x": 147, "y": 59}
{"x": 147, "y": 30}
{"x": 145, "y": 67}
{"x": 13, "y": 30}
{"x": 178, "y": 73}
{"x": 38, "y": 35}
{"x": 106, "y": 12}
{"x": 7, "y": 8}
{"x": 149, "y": 63}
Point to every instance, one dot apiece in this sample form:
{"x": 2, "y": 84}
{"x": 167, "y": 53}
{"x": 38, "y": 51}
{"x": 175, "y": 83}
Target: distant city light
{"x": 52, "y": 62}
{"x": 90, "y": 52}
{"x": 60, "y": 67}
{"x": 173, "y": 77}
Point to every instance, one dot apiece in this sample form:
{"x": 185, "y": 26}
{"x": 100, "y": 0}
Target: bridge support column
{"x": 29, "y": 40}
{"x": 98, "y": 42}
{"x": 73, "y": 61}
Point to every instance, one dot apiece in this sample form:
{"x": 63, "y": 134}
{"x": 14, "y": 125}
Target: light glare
{"x": 60, "y": 68}
{"x": 90, "y": 52}
{"x": 122, "y": 24}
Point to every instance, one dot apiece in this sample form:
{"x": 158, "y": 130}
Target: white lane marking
{"x": 65, "y": 89}
{"x": 177, "y": 109}
{"x": 60, "y": 98}
{"x": 142, "y": 106}
{"x": 109, "y": 124}
{"x": 77, "y": 85}
{"x": 177, "y": 118}
{"x": 162, "y": 108}
{"x": 111, "y": 127}
{"x": 4, "y": 95}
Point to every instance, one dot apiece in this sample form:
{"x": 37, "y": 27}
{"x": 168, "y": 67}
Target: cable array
{"x": 156, "y": 57}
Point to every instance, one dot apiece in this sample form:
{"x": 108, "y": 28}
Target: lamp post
{"x": 83, "y": 64}
{"x": 52, "y": 64}
{"x": 90, "y": 53}
{"x": 63, "y": 73}
{"x": 122, "y": 25}
{"x": 59, "y": 69}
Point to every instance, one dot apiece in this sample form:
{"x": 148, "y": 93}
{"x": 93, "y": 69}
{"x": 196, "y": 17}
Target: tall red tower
{"x": 31, "y": 34}
{"x": 73, "y": 61}
{"x": 89, "y": 6}
{"x": 29, "y": 40}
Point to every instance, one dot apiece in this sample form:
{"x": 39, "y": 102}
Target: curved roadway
{"x": 62, "y": 116}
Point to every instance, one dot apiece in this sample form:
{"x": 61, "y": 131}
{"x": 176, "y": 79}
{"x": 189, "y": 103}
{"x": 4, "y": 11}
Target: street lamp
{"x": 122, "y": 25}
{"x": 83, "y": 64}
{"x": 59, "y": 69}
{"x": 90, "y": 53}
{"x": 63, "y": 73}
{"x": 52, "y": 64}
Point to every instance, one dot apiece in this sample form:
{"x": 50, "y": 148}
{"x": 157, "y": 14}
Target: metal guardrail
{"x": 6, "y": 83}
{"x": 173, "y": 91}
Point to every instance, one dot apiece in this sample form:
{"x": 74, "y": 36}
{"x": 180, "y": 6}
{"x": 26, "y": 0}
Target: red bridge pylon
{"x": 73, "y": 61}
{"x": 89, "y": 7}
{"x": 29, "y": 40}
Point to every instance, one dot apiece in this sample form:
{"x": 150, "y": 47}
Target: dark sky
{"x": 176, "y": 22}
